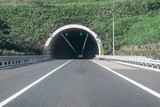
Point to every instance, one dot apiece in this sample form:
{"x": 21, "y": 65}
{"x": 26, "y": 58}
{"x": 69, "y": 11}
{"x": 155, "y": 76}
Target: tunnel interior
{"x": 72, "y": 44}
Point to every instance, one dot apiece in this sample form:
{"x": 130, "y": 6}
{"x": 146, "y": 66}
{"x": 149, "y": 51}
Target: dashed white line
{"x": 132, "y": 81}
{"x": 30, "y": 86}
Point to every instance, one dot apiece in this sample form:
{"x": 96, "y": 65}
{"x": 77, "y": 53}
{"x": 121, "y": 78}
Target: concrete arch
{"x": 76, "y": 28}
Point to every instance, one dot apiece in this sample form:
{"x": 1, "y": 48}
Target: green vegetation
{"x": 26, "y": 24}
{"x": 150, "y": 50}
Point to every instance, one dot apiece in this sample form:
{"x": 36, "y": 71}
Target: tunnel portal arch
{"x": 70, "y": 41}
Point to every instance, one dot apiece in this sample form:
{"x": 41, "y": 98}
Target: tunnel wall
{"x": 48, "y": 44}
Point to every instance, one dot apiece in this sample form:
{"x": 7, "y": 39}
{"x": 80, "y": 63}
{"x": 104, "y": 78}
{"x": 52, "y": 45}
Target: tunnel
{"x": 72, "y": 42}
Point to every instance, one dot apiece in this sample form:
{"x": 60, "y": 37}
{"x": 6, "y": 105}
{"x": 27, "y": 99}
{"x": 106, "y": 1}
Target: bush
{"x": 25, "y": 26}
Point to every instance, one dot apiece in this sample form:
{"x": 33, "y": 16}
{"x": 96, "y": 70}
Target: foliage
{"x": 26, "y": 24}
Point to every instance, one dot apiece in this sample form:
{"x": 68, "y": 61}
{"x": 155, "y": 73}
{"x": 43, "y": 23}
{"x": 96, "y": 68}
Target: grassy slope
{"x": 55, "y": 1}
{"x": 136, "y": 22}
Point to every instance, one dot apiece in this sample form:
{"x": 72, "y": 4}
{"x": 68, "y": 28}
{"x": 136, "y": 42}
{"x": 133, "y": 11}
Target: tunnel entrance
{"x": 71, "y": 42}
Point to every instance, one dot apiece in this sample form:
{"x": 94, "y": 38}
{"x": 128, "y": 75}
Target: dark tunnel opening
{"x": 72, "y": 44}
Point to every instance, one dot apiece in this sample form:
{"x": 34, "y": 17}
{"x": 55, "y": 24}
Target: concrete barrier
{"x": 15, "y": 60}
{"x": 138, "y": 60}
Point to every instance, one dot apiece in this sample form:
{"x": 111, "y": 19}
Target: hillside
{"x": 53, "y": 1}
{"x": 26, "y": 24}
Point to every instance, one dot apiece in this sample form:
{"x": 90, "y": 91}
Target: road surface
{"x": 78, "y": 83}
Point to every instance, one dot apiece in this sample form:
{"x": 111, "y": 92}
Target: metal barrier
{"x": 138, "y": 60}
{"x": 15, "y": 60}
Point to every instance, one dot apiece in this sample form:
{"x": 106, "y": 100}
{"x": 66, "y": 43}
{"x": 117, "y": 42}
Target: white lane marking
{"x": 30, "y": 86}
{"x": 132, "y": 81}
{"x": 153, "y": 69}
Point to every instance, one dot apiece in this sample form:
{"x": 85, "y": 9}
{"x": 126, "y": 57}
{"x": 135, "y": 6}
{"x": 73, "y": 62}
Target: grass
{"x": 25, "y": 25}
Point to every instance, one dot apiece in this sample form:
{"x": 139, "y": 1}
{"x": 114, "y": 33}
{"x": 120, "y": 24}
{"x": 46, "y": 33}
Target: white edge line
{"x": 132, "y": 81}
{"x": 29, "y": 86}
{"x": 153, "y": 69}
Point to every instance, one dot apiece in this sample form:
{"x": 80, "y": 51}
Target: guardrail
{"x": 15, "y": 60}
{"x": 138, "y": 60}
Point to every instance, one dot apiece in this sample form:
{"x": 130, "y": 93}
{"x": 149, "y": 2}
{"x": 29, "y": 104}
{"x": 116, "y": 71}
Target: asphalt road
{"x": 79, "y": 83}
